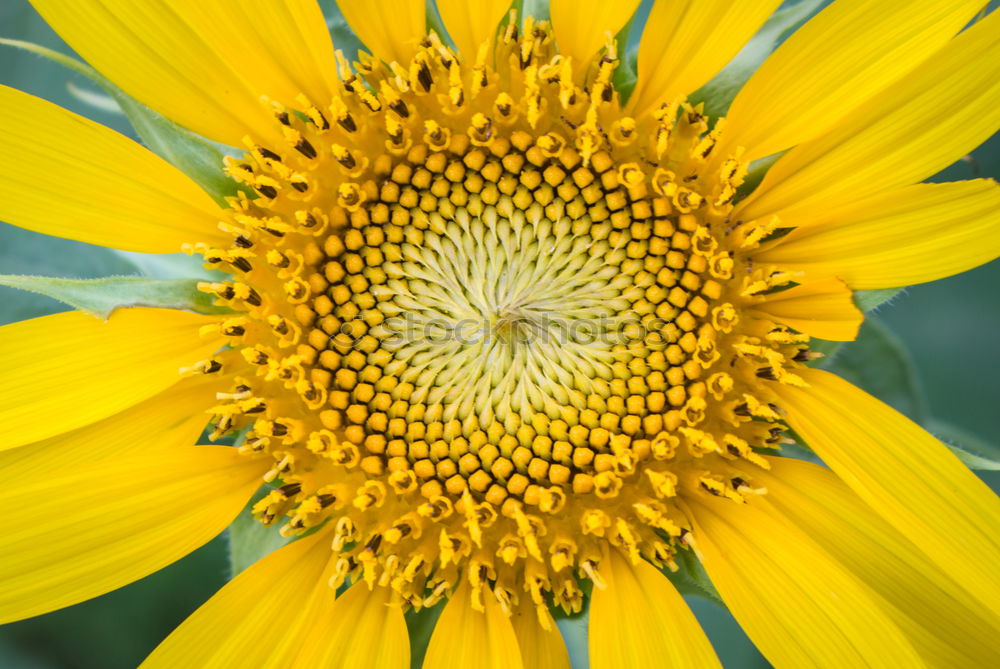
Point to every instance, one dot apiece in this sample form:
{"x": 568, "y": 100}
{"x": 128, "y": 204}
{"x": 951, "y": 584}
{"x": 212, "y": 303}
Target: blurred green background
{"x": 950, "y": 327}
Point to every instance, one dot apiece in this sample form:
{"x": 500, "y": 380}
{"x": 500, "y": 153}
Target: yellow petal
{"x": 944, "y": 623}
{"x": 205, "y": 63}
{"x": 540, "y": 648}
{"x": 904, "y": 474}
{"x": 471, "y": 23}
{"x": 839, "y": 60}
{"x": 686, "y": 42}
{"x": 582, "y": 28}
{"x": 280, "y": 612}
{"x": 83, "y": 531}
{"x": 67, "y": 176}
{"x": 917, "y": 127}
{"x": 174, "y": 417}
{"x": 900, "y": 238}
{"x": 823, "y": 309}
{"x": 68, "y": 370}
{"x": 639, "y": 620}
{"x": 389, "y": 29}
{"x": 364, "y": 630}
{"x": 464, "y": 638}
{"x": 261, "y": 617}
{"x": 795, "y": 602}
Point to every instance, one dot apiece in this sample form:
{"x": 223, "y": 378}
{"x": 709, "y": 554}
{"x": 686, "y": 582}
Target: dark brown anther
{"x": 254, "y": 298}
{"x": 347, "y": 160}
{"x": 324, "y": 124}
{"x": 278, "y": 429}
{"x": 269, "y": 154}
{"x": 400, "y": 108}
{"x": 802, "y": 355}
{"x": 305, "y": 148}
{"x": 291, "y": 489}
{"x": 242, "y": 264}
{"x": 374, "y": 543}
{"x": 607, "y": 93}
{"x": 300, "y": 186}
{"x": 424, "y": 77}
{"x": 234, "y": 331}
{"x": 737, "y": 482}
{"x": 247, "y": 167}
{"x": 732, "y": 450}
{"x": 212, "y": 367}
{"x": 243, "y": 242}
{"x": 347, "y": 123}
{"x": 259, "y": 407}
{"x": 283, "y": 118}
{"x": 767, "y": 373}
{"x": 260, "y": 358}
{"x": 326, "y": 500}
{"x": 281, "y": 326}
{"x": 741, "y": 410}
{"x": 270, "y": 192}
{"x": 708, "y": 489}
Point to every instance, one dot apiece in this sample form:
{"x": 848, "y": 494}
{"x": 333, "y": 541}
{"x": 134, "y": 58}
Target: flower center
{"x": 489, "y": 325}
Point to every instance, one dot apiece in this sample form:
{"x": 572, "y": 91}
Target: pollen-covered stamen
{"x": 489, "y": 326}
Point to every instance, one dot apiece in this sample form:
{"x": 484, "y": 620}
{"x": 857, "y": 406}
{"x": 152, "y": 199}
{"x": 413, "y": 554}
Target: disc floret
{"x": 488, "y": 325}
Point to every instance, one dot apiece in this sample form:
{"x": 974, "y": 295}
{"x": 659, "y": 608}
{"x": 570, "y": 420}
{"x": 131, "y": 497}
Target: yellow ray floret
{"x": 845, "y": 56}
{"x": 47, "y": 382}
{"x": 71, "y": 177}
{"x": 87, "y": 530}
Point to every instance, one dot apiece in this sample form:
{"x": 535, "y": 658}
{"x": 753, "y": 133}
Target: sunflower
{"x": 502, "y": 334}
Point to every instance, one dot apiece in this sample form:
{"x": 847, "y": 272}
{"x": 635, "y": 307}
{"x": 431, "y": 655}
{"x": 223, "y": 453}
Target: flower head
{"x": 497, "y": 336}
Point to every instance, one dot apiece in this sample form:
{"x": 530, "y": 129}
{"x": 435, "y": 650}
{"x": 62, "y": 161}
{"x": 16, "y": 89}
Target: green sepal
{"x": 691, "y": 578}
{"x": 574, "y": 634}
{"x": 879, "y": 364}
{"x": 248, "y": 540}
{"x": 420, "y": 625}
{"x": 719, "y": 93}
{"x": 536, "y": 9}
{"x": 170, "y": 266}
{"x": 869, "y": 300}
{"x": 625, "y": 75}
{"x": 343, "y": 37}
{"x": 101, "y": 297}
{"x": 971, "y": 449}
{"x": 198, "y": 158}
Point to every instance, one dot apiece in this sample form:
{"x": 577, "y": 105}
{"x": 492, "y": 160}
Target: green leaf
{"x": 973, "y": 450}
{"x": 420, "y": 624}
{"x": 879, "y": 363}
{"x": 691, "y": 579}
{"x": 100, "y": 297}
{"x": 718, "y": 93}
{"x": 249, "y": 540}
{"x": 197, "y": 157}
{"x": 869, "y": 300}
